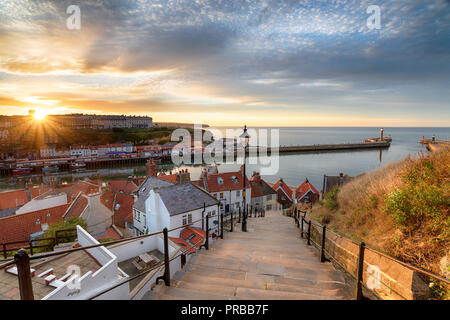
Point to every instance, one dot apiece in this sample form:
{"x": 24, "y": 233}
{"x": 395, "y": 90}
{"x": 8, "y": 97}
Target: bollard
{"x": 322, "y": 250}
{"x": 301, "y": 233}
{"x": 166, "y": 276}
{"x": 239, "y": 219}
{"x": 206, "y": 244}
{"x": 22, "y": 261}
{"x": 221, "y": 225}
{"x": 309, "y": 233}
{"x": 231, "y": 230}
{"x": 359, "y": 276}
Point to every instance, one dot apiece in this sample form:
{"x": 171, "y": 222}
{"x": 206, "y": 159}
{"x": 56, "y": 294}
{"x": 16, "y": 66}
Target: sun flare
{"x": 39, "y": 114}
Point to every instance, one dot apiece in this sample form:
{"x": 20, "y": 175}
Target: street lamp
{"x": 245, "y": 137}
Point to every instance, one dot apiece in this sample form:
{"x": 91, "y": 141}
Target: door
{"x": 183, "y": 260}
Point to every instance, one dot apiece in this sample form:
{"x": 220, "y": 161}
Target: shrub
{"x": 330, "y": 198}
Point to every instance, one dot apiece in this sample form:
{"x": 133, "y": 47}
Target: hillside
{"x": 401, "y": 209}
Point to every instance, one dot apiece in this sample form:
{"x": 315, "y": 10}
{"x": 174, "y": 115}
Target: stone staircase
{"x": 268, "y": 262}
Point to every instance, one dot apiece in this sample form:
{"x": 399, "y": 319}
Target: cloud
{"x": 285, "y": 55}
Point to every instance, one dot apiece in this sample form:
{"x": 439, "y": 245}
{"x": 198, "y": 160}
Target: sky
{"x": 217, "y": 62}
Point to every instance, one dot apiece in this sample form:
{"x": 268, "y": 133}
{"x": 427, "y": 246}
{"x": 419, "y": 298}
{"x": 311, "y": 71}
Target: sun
{"x": 39, "y": 114}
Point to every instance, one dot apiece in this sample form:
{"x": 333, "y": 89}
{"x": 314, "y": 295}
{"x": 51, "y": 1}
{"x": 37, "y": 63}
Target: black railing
{"x": 313, "y": 230}
{"x": 22, "y": 259}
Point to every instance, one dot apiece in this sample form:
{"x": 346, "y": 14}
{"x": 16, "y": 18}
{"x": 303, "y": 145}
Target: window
{"x": 238, "y": 193}
{"x": 189, "y": 218}
{"x": 221, "y": 195}
{"x": 184, "y": 220}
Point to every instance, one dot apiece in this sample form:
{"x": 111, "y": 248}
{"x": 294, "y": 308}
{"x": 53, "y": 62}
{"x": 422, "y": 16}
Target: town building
{"x": 284, "y": 193}
{"x": 47, "y": 151}
{"x": 178, "y": 205}
{"x": 173, "y": 206}
{"x": 306, "y": 193}
{"x": 121, "y": 205}
{"x": 227, "y": 187}
{"x": 105, "y": 272}
{"x": 85, "y": 121}
{"x": 142, "y": 205}
{"x": 10, "y": 201}
{"x": 263, "y": 196}
{"x": 329, "y": 182}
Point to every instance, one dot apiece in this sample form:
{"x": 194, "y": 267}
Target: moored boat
{"x": 77, "y": 165}
{"x": 22, "y": 171}
{"x": 50, "y": 169}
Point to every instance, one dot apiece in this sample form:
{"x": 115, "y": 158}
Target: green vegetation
{"x": 70, "y": 223}
{"x": 422, "y": 201}
{"x": 330, "y": 198}
{"x": 402, "y": 209}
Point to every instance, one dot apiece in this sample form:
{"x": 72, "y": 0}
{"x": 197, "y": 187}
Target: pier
{"x": 334, "y": 147}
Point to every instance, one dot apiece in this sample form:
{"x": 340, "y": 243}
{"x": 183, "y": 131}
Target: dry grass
{"x": 361, "y": 213}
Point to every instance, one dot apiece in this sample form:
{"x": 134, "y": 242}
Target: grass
{"x": 401, "y": 209}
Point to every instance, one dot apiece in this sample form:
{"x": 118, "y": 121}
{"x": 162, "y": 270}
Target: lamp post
{"x": 245, "y": 137}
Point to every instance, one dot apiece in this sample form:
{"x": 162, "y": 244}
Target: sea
{"x": 293, "y": 168}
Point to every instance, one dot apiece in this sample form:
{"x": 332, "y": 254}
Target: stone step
{"x": 208, "y": 287}
{"x": 207, "y": 267}
{"x": 215, "y": 272}
{"x": 175, "y": 293}
{"x": 261, "y": 294}
{"x": 270, "y": 283}
{"x": 218, "y": 257}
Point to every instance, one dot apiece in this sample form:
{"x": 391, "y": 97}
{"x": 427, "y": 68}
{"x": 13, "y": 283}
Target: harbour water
{"x": 293, "y": 168}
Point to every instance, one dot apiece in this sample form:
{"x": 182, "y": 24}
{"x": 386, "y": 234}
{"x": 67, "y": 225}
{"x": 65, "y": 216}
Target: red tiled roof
{"x": 20, "y": 227}
{"x": 169, "y": 177}
{"x": 256, "y": 189}
{"x": 198, "y": 235}
{"x": 123, "y": 185}
{"x": 110, "y": 233}
{"x": 77, "y": 208}
{"x": 198, "y": 183}
{"x": 212, "y": 184}
{"x": 13, "y": 199}
{"x": 185, "y": 245}
{"x": 121, "y": 204}
{"x": 86, "y": 187}
{"x": 36, "y": 191}
{"x": 283, "y": 186}
{"x": 304, "y": 188}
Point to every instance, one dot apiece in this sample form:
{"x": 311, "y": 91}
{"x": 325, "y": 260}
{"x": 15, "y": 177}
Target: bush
{"x": 70, "y": 223}
{"x": 419, "y": 200}
{"x": 330, "y": 198}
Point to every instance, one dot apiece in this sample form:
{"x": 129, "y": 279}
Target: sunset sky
{"x": 272, "y": 62}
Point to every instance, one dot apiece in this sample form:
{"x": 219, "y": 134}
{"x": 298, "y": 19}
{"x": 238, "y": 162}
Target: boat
{"x": 77, "y": 165}
{"x": 22, "y": 171}
{"x": 50, "y": 169}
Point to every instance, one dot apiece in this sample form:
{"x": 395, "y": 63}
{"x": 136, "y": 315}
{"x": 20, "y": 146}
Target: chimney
{"x": 53, "y": 182}
{"x": 381, "y": 134}
{"x": 150, "y": 168}
{"x": 183, "y": 177}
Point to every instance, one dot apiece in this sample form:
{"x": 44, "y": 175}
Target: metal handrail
{"x": 409, "y": 266}
{"x": 8, "y": 262}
